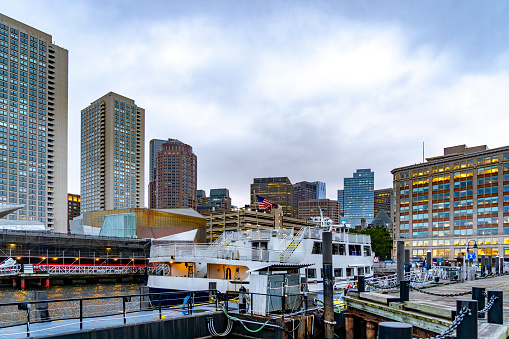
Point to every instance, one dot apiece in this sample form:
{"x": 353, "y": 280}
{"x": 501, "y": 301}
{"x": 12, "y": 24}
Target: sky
{"x": 311, "y": 90}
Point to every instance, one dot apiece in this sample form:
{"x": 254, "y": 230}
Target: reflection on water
{"x": 9, "y": 294}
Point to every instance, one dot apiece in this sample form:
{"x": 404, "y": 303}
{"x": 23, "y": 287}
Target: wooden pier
{"x": 430, "y": 315}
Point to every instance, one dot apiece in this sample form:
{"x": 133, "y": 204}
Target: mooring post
{"x": 394, "y": 330}
{"x": 404, "y": 290}
{"x": 361, "y": 283}
{"x": 502, "y": 265}
{"x": 407, "y": 261}
{"x": 328, "y": 285}
{"x": 467, "y": 329}
{"x": 495, "y": 314}
{"x": 400, "y": 259}
{"x": 478, "y": 294}
{"x": 489, "y": 264}
{"x": 81, "y": 314}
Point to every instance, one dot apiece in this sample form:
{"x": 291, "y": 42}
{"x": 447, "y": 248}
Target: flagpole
{"x": 257, "y": 207}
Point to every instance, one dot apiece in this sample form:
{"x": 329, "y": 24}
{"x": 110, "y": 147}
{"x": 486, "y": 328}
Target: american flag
{"x": 264, "y": 204}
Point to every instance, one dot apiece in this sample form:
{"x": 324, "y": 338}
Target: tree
{"x": 381, "y": 241}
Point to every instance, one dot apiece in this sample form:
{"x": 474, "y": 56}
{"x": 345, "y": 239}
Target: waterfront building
{"x": 321, "y": 190}
{"x": 358, "y": 197}
{"x": 453, "y": 201}
{"x": 73, "y": 206}
{"x": 33, "y": 113}
{"x": 303, "y": 191}
{"x": 311, "y": 208}
{"x": 383, "y": 200}
{"x": 278, "y": 190}
{"x": 341, "y": 202}
{"x": 112, "y": 154}
{"x": 219, "y": 200}
{"x": 175, "y": 177}
{"x": 143, "y": 223}
{"x": 154, "y": 147}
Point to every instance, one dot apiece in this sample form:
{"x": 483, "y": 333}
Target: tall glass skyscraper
{"x": 321, "y": 191}
{"x": 33, "y": 124}
{"x": 359, "y": 197}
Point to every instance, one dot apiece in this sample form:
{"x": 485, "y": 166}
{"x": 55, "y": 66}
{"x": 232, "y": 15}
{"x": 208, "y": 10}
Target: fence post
{"x": 483, "y": 264}
{"x": 404, "y": 290}
{"x": 478, "y": 294}
{"x": 160, "y": 313}
{"x": 394, "y": 330}
{"x": 81, "y": 314}
{"x": 400, "y": 260}
{"x": 407, "y": 261}
{"x": 123, "y": 309}
{"x": 495, "y": 314}
{"x": 467, "y": 329}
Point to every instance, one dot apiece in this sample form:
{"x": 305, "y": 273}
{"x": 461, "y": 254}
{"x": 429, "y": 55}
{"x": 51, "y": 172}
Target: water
{"x": 10, "y": 315}
{"x": 9, "y": 294}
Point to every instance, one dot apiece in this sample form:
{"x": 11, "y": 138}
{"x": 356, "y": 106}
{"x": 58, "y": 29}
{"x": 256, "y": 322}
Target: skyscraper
{"x": 277, "y": 190}
{"x": 175, "y": 177}
{"x": 383, "y": 199}
{"x": 220, "y": 199}
{"x": 358, "y": 196}
{"x": 155, "y": 146}
{"x": 33, "y": 119}
{"x": 321, "y": 190}
{"x": 303, "y": 191}
{"x": 341, "y": 202}
{"x": 112, "y": 154}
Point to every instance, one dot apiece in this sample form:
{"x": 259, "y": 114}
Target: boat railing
{"x": 231, "y": 252}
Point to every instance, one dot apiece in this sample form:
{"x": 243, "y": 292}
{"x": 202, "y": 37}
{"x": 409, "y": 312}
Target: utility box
{"x": 276, "y": 288}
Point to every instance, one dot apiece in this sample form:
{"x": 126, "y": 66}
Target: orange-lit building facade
{"x": 454, "y": 201}
{"x": 73, "y": 206}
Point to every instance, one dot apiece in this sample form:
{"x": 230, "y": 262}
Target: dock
{"x": 429, "y": 313}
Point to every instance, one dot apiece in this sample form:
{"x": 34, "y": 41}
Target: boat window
{"x": 360, "y": 270}
{"x": 354, "y": 250}
{"x": 338, "y": 249}
{"x": 321, "y": 273}
{"x": 349, "y": 271}
{"x": 311, "y": 273}
{"x": 367, "y": 251}
{"x": 317, "y": 248}
{"x": 368, "y": 270}
{"x": 338, "y": 272}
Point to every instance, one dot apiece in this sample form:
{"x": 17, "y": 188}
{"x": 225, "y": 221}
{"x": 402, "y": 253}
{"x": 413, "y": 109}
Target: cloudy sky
{"x": 311, "y": 90}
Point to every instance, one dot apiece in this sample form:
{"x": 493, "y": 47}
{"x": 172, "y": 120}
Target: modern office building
{"x": 175, "y": 177}
{"x": 359, "y": 197}
{"x": 154, "y": 147}
{"x": 112, "y": 154}
{"x": 303, "y": 191}
{"x": 278, "y": 190}
{"x": 384, "y": 200}
{"x": 321, "y": 190}
{"x": 311, "y": 208}
{"x": 341, "y": 202}
{"x": 73, "y": 206}
{"x": 33, "y": 119}
{"x": 453, "y": 201}
{"x": 220, "y": 199}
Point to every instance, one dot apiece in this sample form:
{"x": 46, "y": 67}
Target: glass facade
{"x": 453, "y": 202}
{"x": 359, "y": 197}
{"x": 119, "y": 225}
{"x": 321, "y": 190}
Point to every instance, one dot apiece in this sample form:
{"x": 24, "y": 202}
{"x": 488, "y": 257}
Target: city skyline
{"x": 387, "y": 66}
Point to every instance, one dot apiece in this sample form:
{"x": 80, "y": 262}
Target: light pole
{"x": 470, "y": 259}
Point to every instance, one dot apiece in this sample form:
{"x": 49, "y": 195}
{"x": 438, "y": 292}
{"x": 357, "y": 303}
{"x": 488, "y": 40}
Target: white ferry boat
{"x": 229, "y": 261}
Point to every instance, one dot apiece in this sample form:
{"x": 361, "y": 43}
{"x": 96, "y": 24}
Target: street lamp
{"x": 466, "y": 255}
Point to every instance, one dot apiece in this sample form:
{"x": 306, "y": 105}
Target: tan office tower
{"x": 33, "y": 124}
{"x": 112, "y": 154}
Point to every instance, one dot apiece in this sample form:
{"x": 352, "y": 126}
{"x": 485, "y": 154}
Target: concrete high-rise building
{"x": 278, "y": 190}
{"x": 311, "y": 208}
{"x": 358, "y": 197}
{"x": 383, "y": 200}
{"x": 321, "y": 190}
{"x": 341, "y": 202}
{"x": 175, "y": 177}
{"x": 33, "y": 119}
{"x": 112, "y": 154}
{"x": 220, "y": 199}
{"x": 303, "y": 191}
{"x": 452, "y": 202}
